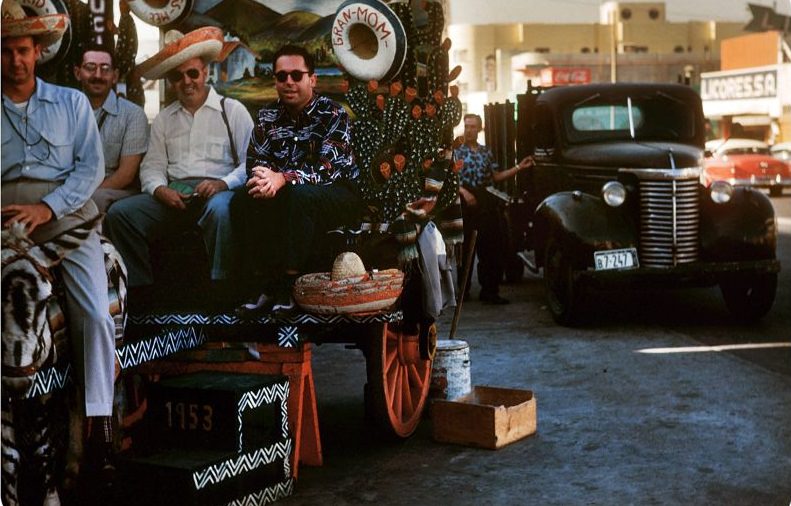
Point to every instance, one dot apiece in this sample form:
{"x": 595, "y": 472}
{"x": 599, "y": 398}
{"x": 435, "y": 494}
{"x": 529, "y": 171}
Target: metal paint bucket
{"x": 450, "y": 373}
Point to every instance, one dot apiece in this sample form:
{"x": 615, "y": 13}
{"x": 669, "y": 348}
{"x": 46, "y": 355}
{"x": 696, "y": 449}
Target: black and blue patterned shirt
{"x": 314, "y": 148}
{"x": 478, "y": 166}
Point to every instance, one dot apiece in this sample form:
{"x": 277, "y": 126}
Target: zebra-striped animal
{"x": 32, "y": 314}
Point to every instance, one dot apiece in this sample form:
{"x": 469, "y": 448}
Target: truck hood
{"x": 640, "y": 155}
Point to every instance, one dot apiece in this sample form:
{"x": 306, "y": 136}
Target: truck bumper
{"x": 692, "y": 274}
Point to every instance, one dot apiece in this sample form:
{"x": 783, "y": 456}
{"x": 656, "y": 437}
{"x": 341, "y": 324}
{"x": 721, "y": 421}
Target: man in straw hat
{"x": 192, "y": 163}
{"x": 302, "y": 180}
{"x": 51, "y": 164}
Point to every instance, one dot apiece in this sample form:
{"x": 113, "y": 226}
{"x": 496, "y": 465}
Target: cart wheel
{"x": 398, "y": 381}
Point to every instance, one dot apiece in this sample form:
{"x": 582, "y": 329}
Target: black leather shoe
{"x": 494, "y": 299}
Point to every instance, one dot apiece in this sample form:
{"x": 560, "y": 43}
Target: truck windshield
{"x": 657, "y": 117}
{"x": 605, "y": 117}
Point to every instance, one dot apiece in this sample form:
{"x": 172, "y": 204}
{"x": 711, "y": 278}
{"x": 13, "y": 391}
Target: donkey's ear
{"x": 50, "y": 253}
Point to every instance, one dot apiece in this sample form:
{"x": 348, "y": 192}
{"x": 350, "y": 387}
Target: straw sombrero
{"x": 349, "y": 288}
{"x": 203, "y": 43}
{"x": 47, "y": 29}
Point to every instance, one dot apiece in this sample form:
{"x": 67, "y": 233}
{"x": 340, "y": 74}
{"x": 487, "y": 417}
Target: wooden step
{"x": 204, "y": 477}
{"x": 218, "y": 411}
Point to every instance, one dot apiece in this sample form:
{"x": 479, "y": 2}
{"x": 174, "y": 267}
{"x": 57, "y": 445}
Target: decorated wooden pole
{"x": 404, "y": 113}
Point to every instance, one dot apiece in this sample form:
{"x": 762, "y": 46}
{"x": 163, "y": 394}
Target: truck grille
{"x": 669, "y": 218}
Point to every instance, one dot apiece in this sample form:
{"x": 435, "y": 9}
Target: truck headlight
{"x": 613, "y": 193}
{"x": 721, "y": 192}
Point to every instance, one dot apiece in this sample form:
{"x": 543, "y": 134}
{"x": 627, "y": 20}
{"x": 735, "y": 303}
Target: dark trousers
{"x": 289, "y": 231}
{"x": 489, "y": 245}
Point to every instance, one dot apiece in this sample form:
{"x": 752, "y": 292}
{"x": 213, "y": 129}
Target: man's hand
{"x": 525, "y": 163}
{"x": 209, "y": 187}
{"x": 422, "y": 207}
{"x": 265, "y": 183}
{"x": 467, "y": 196}
{"x": 171, "y": 197}
{"x": 29, "y": 215}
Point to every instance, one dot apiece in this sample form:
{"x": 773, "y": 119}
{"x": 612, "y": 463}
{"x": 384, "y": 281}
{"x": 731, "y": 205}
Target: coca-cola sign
{"x": 563, "y": 76}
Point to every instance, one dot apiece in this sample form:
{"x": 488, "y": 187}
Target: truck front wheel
{"x": 564, "y": 298}
{"x": 749, "y": 296}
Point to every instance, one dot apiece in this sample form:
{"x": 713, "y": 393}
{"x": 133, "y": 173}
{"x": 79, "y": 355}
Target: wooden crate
{"x": 488, "y": 417}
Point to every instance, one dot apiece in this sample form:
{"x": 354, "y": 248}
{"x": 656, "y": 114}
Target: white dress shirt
{"x": 183, "y": 145}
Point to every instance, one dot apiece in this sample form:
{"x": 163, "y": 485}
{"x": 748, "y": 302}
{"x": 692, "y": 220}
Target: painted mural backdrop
{"x": 254, "y": 30}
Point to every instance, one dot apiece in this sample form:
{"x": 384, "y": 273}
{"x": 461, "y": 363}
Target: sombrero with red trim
{"x": 46, "y": 29}
{"x": 205, "y": 43}
{"x": 349, "y": 288}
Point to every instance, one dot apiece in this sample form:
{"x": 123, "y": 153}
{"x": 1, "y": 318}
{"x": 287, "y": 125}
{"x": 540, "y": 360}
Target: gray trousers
{"x": 91, "y": 328}
{"x": 133, "y": 223}
{"x": 104, "y": 197}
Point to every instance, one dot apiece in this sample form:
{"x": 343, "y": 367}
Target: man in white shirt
{"x": 192, "y": 164}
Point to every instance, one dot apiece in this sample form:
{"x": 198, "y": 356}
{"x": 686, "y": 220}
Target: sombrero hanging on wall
{"x": 203, "y": 43}
{"x": 349, "y": 288}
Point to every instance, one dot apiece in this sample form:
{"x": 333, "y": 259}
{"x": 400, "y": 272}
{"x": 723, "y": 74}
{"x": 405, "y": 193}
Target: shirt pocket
{"x": 177, "y": 147}
{"x": 6, "y": 134}
{"x": 55, "y": 145}
{"x": 218, "y": 150}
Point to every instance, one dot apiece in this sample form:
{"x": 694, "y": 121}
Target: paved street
{"x": 649, "y": 404}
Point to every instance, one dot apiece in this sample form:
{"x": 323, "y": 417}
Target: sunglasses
{"x": 91, "y": 67}
{"x": 296, "y": 75}
{"x": 175, "y": 76}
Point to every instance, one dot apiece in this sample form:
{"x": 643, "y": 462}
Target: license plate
{"x": 615, "y": 259}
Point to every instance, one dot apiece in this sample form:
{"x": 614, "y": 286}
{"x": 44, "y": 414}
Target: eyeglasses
{"x": 90, "y": 67}
{"x": 296, "y": 75}
{"x": 175, "y": 76}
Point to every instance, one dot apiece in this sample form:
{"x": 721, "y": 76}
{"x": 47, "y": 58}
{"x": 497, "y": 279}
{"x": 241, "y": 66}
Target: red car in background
{"x": 745, "y": 162}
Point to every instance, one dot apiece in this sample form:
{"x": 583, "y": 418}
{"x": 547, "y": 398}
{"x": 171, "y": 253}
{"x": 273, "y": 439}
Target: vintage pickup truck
{"x": 615, "y": 198}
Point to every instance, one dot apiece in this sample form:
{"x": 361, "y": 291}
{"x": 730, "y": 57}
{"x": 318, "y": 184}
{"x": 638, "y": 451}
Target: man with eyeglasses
{"x": 191, "y": 165}
{"x": 123, "y": 126}
{"x": 51, "y": 164}
{"x": 301, "y": 181}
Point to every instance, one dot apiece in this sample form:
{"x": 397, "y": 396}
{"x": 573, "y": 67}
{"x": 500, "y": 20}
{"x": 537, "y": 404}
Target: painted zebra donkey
{"x": 34, "y": 416}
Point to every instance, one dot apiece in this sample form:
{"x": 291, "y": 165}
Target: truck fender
{"x": 742, "y": 229}
{"x": 582, "y": 223}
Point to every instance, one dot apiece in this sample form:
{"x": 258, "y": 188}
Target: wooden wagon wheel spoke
{"x": 398, "y": 380}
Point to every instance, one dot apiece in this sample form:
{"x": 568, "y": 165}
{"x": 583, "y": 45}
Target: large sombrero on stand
{"x": 203, "y": 43}
{"x": 349, "y": 288}
{"x": 47, "y": 29}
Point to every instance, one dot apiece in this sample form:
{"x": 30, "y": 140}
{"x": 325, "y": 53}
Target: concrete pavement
{"x": 615, "y": 425}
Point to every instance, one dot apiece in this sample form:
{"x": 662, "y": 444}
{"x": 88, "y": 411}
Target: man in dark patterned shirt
{"x": 479, "y": 210}
{"x": 301, "y": 181}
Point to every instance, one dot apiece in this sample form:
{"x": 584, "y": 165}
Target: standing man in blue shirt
{"x": 479, "y": 210}
{"x": 123, "y": 126}
{"x": 51, "y": 164}
{"x": 302, "y": 180}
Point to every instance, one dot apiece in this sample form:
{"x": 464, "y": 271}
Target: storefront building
{"x": 753, "y": 89}
{"x": 631, "y": 42}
